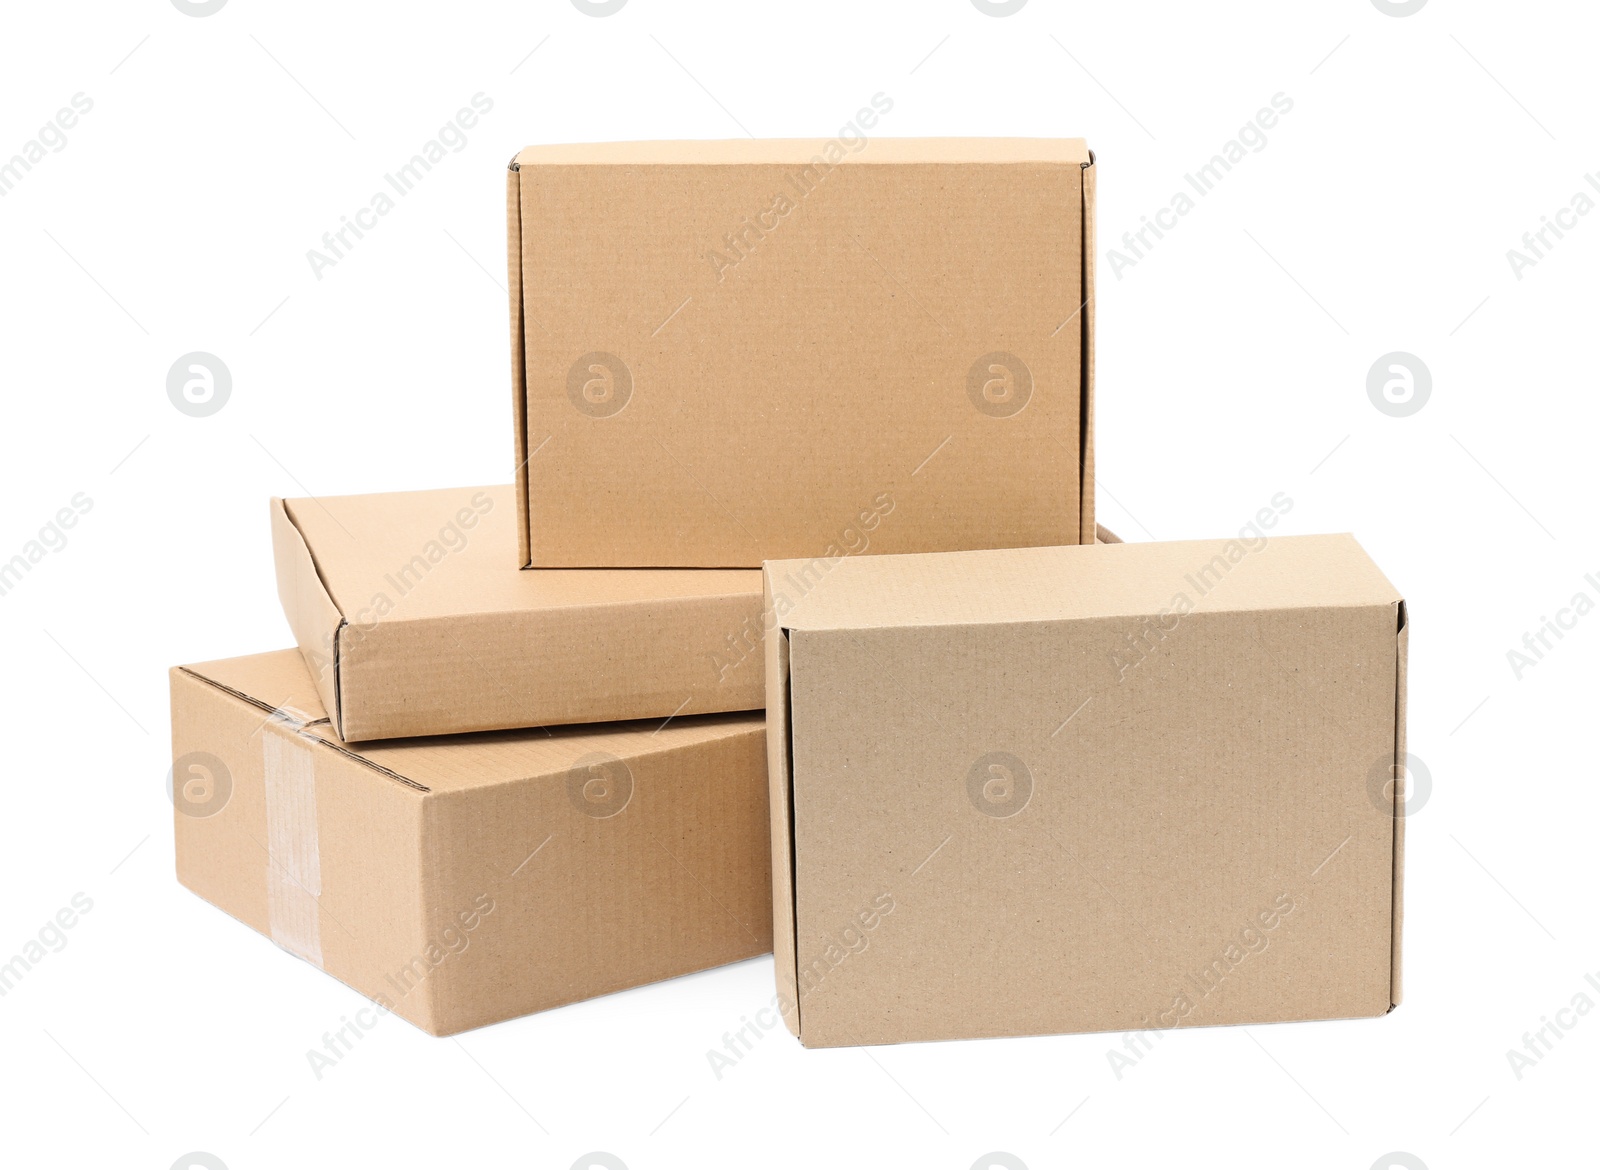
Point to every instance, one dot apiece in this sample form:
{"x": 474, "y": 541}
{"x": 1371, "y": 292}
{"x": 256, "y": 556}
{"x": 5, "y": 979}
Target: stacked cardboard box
{"x": 807, "y": 429}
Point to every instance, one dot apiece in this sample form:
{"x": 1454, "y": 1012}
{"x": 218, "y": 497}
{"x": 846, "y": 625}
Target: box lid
{"x": 1005, "y": 586}
{"x": 415, "y": 620}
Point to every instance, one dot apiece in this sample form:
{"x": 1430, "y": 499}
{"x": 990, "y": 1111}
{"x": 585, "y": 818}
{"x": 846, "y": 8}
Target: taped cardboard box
{"x": 728, "y": 352}
{"x": 1129, "y": 787}
{"x": 415, "y": 620}
{"x": 464, "y": 880}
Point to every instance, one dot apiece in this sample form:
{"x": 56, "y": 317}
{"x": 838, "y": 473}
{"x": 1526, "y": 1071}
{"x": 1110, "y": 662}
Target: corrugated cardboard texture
{"x": 1081, "y": 789}
{"x": 415, "y": 620}
{"x": 464, "y": 880}
{"x": 756, "y": 352}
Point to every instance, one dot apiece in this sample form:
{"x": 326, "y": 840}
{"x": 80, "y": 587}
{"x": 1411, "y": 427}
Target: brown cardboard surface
{"x": 753, "y": 354}
{"x": 1123, "y": 786}
{"x": 462, "y": 880}
{"x": 415, "y": 620}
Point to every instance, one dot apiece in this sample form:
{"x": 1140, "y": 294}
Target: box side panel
{"x": 576, "y": 664}
{"x": 782, "y": 827}
{"x": 1086, "y": 532}
{"x": 606, "y": 875}
{"x": 1401, "y": 761}
{"x": 309, "y": 847}
{"x": 519, "y": 360}
{"x": 309, "y": 608}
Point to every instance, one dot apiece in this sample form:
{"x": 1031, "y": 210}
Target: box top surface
{"x": 279, "y": 681}
{"x": 363, "y": 546}
{"x": 1075, "y": 582}
{"x": 783, "y": 151}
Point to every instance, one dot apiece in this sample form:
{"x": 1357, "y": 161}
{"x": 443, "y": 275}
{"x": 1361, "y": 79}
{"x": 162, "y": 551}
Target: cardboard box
{"x": 465, "y": 880}
{"x": 415, "y": 620}
{"x": 1132, "y": 787}
{"x": 728, "y": 352}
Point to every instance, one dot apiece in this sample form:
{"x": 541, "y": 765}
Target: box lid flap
{"x": 1075, "y": 582}
{"x": 461, "y": 541}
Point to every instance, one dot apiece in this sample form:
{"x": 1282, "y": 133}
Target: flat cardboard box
{"x": 465, "y": 880}
{"x": 729, "y": 352}
{"x": 414, "y": 620}
{"x": 1125, "y": 787}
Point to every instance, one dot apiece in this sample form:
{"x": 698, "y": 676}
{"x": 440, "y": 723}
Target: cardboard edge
{"x": 1086, "y": 524}
{"x": 311, "y": 731}
{"x": 314, "y": 616}
{"x": 1402, "y": 648}
{"x": 519, "y": 359}
{"x": 1104, "y": 535}
{"x": 780, "y": 799}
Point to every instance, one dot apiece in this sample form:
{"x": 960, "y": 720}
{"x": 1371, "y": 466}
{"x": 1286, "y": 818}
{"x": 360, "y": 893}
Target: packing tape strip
{"x": 294, "y": 866}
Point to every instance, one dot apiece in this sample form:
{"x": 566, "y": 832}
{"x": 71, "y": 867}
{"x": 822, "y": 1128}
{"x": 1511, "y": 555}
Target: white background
{"x": 1232, "y": 365}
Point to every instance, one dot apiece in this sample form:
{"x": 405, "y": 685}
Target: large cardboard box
{"x": 464, "y": 880}
{"x": 1128, "y": 786}
{"x": 415, "y": 620}
{"x": 728, "y": 352}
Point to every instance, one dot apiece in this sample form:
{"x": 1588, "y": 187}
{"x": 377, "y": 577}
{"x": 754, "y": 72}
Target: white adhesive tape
{"x": 294, "y": 867}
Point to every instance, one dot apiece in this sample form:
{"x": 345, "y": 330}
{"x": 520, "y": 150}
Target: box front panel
{"x": 1095, "y": 825}
{"x": 611, "y": 874}
{"x": 726, "y": 364}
